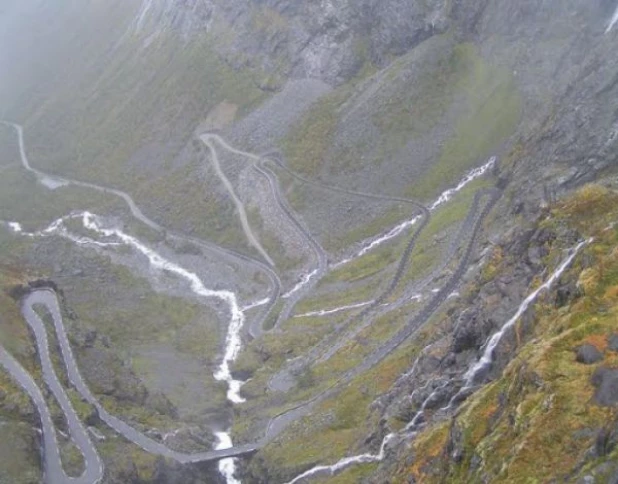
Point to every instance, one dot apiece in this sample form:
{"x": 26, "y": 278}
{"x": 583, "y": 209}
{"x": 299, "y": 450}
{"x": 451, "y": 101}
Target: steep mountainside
{"x": 360, "y": 241}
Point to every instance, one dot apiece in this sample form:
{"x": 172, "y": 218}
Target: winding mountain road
{"x": 319, "y": 253}
{"x": 43, "y": 297}
{"x": 48, "y": 299}
{"x": 285, "y": 379}
{"x": 462, "y": 236}
{"x": 280, "y": 422}
{"x": 320, "y": 256}
{"x": 228, "y": 254}
{"x": 240, "y": 208}
{"x": 53, "y": 470}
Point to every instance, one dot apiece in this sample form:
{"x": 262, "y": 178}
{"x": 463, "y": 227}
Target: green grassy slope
{"x": 538, "y": 422}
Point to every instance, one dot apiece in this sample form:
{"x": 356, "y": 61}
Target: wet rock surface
{"x": 567, "y": 138}
{"x": 606, "y": 382}
{"x": 310, "y": 40}
{"x": 612, "y": 343}
{"x": 588, "y": 354}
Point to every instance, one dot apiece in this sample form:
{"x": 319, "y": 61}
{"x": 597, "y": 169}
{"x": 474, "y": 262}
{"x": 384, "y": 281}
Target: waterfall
{"x": 612, "y": 22}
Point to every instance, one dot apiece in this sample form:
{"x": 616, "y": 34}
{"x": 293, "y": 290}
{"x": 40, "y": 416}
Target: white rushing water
{"x": 470, "y": 177}
{"x": 227, "y": 467}
{"x": 15, "y": 227}
{"x": 254, "y": 305}
{"x": 612, "y": 22}
{"x": 304, "y": 280}
{"x": 233, "y": 341}
{"x": 328, "y": 312}
{"x": 346, "y": 462}
{"x": 485, "y": 360}
{"x": 488, "y": 354}
{"x": 444, "y": 197}
{"x": 389, "y": 235}
{"x": 58, "y": 228}
{"x": 418, "y": 418}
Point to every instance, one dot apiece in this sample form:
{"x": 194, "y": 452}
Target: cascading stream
{"x": 347, "y": 462}
{"x": 328, "y": 312}
{"x": 233, "y": 344}
{"x": 304, "y": 280}
{"x": 487, "y": 358}
{"x": 481, "y": 365}
{"x": 444, "y": 197}
{"x": 158, "y": 263}
{"x": 139, "y": 215}
{"x": 484, "y": 363}
{"x": 612, "y": 22}
{"x": 233, "y": 341}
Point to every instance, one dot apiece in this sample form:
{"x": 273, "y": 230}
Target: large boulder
{"x": 606, "y": 382}
{"x": 588, "y": 354}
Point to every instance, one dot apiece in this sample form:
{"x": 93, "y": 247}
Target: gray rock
{"x": 588, "y": 354}
{"x": 566, "y": 293}
{"x": 612, "y": 342}
{"x": 605, "y": 441}
{"x": 586, "y": 480}
{"x": 308, "y": 39}
{"x": 535, "y": 256}
{"x": 472, "y": 330}
{"x": 606, "y": 473}
{"x": 606, "y": 381}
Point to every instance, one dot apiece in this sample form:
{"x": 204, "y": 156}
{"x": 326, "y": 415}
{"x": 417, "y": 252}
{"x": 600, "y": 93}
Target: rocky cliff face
{"x": 396, "y": 97}
{"x": 560, "y": 57}
{"x": 329, "y": 40}
{"x": 552, "y": 374}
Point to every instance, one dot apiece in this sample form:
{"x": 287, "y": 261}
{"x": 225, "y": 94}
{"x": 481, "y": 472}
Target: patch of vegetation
{"x": 336, "y": 298}
{"x": 41, "y": 206}
{"x": 491, "y": 116}
{"x": 272, "y": 244}
{"x": 308, "y": 143}
{"x": 19, "y": 457}
{"x": 410, "y": 113}
{"x": 124, "y": 109}
{"x": 538, "y": 421}
{"x": 268, "y": 21}
{"x": 72, "y": 459}
{"x": 14, "y": 334}
{"x": 430, "y": 247}
{"x": 263, "y": 357}
{"x": 491, "y": 268}
{"x": 369, "y": 264}
{"x": 337, "y": 425}
{"x": 371, "y": 228}
{"x": 111, "y": 125}
{"x": 352, "y": 475}
{"x": 366, "y": 342}
{"x": 126, "y": 462}
{"x": 189, "y": 202}
{"x": 273, "y": 316}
